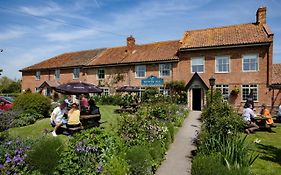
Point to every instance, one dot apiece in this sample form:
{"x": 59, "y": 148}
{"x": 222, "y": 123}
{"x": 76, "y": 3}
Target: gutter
{"x": 225, "y": 47}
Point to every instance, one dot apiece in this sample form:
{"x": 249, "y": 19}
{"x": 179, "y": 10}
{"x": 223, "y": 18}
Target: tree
{"x": 9, "y": 86}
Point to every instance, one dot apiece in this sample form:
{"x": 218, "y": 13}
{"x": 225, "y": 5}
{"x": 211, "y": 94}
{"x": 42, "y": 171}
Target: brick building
{"x": 238, "y": 56}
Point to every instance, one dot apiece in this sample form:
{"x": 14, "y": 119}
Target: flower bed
{"x": 136, "y": 145}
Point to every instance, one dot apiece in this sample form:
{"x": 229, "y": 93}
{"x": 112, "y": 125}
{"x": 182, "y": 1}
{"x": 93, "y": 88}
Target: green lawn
{"x": 269, "y": 150}
{"x": 37, "y": 129}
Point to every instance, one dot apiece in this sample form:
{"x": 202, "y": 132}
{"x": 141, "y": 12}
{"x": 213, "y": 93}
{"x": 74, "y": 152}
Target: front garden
{"x": 129, "y": 143}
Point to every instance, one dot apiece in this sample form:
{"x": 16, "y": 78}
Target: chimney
{"x": 261, "y": 15}
{"x": 131, "y": 41}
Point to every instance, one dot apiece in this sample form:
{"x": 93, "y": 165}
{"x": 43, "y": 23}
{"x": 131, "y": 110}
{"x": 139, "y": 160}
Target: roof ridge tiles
{"x": 220, "y": 27}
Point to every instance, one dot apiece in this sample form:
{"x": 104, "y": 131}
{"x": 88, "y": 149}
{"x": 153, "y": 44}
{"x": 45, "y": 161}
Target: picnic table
{"x": 261, "y": 122}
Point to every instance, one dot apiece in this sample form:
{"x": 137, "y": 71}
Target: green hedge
{"x": 33, "y": 103}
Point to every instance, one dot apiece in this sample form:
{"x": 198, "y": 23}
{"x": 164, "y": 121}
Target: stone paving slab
{"x": 178, "y": 158}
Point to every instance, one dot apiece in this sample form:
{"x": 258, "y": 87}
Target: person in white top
{"x": 248, "y": 115}
{"x": 57, "y": 117}
{"x": 279, "y": 113}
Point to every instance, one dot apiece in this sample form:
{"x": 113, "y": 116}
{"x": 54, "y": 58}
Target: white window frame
{"x": 162, "y": 68}
{"x": 193, "y": 58}
{"x": 75, "y": 70}
{"x": 98, "y": 74}
{"x": 38, "y": 75}
{"x": 57, "y": 74}
{"x": 164, "y": 91}
{"x": 246, "y": 56}
{"x": 138, "y": 69}
{"x": 249, "y": 87}
{"x": 223, "y": 88}
{"x": 105, "y": 91}
{"x": 217, "y": 66}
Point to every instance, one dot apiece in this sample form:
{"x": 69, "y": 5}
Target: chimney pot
{"x": 131, "y": 41}
{"x": 261, "y": 15}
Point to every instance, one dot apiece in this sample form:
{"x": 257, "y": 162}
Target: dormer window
{"x": 37, "y": 75}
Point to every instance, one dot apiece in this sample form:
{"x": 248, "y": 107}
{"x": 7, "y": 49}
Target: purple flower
{"x": 99, "y": 168}
{"x": 19, "y": 151}
{"x": 8, "y": 159}
{"x": 17, "y": 159}
{"x": 1, "y": 166}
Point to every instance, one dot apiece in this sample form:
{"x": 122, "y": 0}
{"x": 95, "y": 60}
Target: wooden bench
{"x": 261, "y": 122}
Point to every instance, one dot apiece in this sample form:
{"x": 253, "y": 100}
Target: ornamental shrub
{"x": 7, "y": 119}
{"x": 149, "y": 93}
{"x": 90, "y": 152}
{"x": 139, "y": 160}
{"x": 115, "y": 165}
{"x": 44, "y": 155}
{"x": 108, "y": 99}
{"x": 33, "y": 103}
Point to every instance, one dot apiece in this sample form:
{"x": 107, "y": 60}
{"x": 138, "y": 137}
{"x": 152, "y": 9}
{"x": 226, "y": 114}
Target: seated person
{"x": 94, "y": 109}
{"x": 68, "y": 101}
{"x": 265, "y": 112}
{"x": 84, "y": 104}
{"x": 73, "y": 116}
{"x": 248, "y": 115}
{"x": 57, "y": 117}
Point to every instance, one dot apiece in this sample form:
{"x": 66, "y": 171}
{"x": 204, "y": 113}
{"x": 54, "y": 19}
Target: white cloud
{"x": 47, "y": 9}
{"x": 69, "y": 36}
{"x": 11, "y": 33}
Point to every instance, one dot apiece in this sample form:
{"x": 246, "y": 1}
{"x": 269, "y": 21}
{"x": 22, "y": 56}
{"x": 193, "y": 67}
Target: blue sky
{"x": 34, "y": 30}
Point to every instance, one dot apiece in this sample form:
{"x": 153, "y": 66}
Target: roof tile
{"x": 227, "y": 35}
{"x": 276, "y": 74}
{"x": 67, "y": 60}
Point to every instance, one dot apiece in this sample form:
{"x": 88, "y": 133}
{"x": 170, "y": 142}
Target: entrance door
{"x": 196, "y": 99}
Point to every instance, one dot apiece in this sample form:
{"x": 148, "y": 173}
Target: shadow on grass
{"x": 269, "y": 153}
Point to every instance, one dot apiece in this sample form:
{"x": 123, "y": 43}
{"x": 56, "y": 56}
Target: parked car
{"x": 7, "y": 99}
{"x": 6, "y": 103}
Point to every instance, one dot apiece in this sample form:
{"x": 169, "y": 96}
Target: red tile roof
{"x": 159, "y": 51}
{"x": 227, "y": 35}
{"x": 276, "y": 74}
{"x": 67, "y": 60}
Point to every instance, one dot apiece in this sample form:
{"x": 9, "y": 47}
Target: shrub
{"x": 139, "y": 160}
{"x": 33, "y": 103}
{"x": 211, "y": 165}
{"x": 149, "y": 93}
{"x": 116, "y": 165}
{"x": 108, "y": 99}
{"x": 45, "y": 154}
{"x": 90, "y": 151}
{"x": 220, "y": 119}
{"x": 7, "y": 119}
{"x": 24, "y": 119}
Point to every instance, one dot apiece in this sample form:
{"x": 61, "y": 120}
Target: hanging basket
{"x": 235, "y": 92}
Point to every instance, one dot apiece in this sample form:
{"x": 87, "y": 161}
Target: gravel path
{"x": 178, "y": 158}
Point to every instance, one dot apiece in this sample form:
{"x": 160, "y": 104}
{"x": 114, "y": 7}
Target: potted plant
{"x": 235, "y": 91}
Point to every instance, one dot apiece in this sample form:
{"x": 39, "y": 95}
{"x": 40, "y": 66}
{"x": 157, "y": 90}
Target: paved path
{"x": 178, "y": 158}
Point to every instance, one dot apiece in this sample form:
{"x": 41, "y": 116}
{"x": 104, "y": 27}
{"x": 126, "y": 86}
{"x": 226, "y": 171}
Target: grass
{"x": 269, "y": 150}
{"x": 37, "y": 129}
